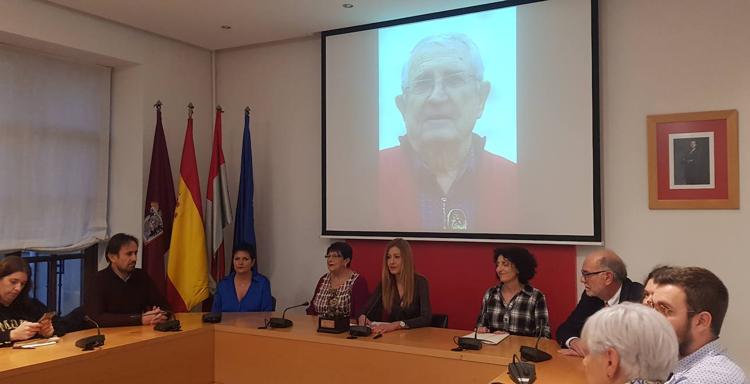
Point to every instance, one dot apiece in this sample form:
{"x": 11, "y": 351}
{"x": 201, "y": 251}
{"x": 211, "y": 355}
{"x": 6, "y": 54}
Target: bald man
{"x": 605, "y": 279}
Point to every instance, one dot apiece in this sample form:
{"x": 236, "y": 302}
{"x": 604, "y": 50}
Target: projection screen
{"x": 477, "y": 123}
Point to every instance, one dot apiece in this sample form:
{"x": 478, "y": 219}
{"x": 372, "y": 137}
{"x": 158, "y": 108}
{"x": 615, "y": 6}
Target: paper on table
{"x": 489, "y": 338}
{"x": 31, "y": 344}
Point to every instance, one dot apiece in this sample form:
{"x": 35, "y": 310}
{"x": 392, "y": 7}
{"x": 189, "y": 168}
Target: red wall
{"x": 460, "y": 273}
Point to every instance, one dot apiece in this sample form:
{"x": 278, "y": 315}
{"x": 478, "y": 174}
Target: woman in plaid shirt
{"x": 514, "y": 306}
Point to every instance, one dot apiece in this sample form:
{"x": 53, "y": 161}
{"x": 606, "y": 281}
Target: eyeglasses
{"x": 586, "y": 275}
{"x": 334, "y": 255}
{"x": 451, "y": 82}
{"x": 663, "y": 309}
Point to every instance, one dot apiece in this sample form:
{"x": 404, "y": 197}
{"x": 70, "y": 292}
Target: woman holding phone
{"x": 21, "y": 317}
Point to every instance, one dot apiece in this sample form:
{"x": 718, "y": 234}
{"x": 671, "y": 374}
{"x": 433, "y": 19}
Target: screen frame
{"x": 595, "y": 238}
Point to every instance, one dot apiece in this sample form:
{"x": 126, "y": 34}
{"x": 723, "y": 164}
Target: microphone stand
{"x": 90, "y": 342}
{"x": 283, "y": 322}
{"x": 535, "y": 354}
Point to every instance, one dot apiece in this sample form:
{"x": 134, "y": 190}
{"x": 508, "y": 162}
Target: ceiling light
{"x": 347, "y": 5}
{"x": 226, "y": 26}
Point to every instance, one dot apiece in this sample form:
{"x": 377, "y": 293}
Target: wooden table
{"x": 236, "y": 351}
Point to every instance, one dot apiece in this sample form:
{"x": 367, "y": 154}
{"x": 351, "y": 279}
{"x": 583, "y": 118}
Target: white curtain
{"x": 54, "y": 152}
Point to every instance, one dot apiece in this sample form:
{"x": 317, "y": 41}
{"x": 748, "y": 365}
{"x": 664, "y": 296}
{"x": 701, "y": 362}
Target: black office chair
{"x": 273, "y": 303}
{"x": 439, "y": 320}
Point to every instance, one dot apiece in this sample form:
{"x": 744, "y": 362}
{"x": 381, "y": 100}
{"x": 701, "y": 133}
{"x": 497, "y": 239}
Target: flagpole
{"x": 158, "y": 105}
{"x": 190, "y": 108}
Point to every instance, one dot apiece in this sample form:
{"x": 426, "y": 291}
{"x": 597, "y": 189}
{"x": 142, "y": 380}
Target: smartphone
{"x": 47, "y": 316}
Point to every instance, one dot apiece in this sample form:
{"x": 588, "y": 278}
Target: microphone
{"x": 90, "y": 342}
{"x": 520, "y": 372}
{"x": 469, "y": 342}
{"x": 535, "y": 354}
{"x": 283, "y": 322}
{"x": 362, "y": 330}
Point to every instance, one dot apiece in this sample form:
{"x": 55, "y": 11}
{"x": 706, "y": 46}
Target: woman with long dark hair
{"x": 19, "y": 315}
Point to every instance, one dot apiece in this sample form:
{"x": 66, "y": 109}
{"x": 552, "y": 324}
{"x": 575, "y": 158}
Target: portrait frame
{"x": 693, "y": 160}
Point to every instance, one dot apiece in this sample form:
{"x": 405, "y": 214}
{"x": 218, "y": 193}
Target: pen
{"x": 379, "y": 335}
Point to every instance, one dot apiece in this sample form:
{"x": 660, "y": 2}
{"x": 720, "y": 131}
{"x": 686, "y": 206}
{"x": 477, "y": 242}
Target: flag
{"x": 244, "y": 223}
{"x": 218, "y": 206}
{"x": 187, "y": 273}
{"x": 160, "y": 203}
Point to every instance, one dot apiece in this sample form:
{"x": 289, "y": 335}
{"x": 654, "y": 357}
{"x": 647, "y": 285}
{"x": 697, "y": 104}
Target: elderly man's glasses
{"x": 450, "y": 82}
{"x": 586, "y": 275}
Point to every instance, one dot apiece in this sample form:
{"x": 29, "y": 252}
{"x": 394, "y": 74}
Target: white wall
{"x": 665, "y": 57}
{"x": 146, "y": 68}
{"x": 656, "y": 57}
{"x": 281, "y": 84}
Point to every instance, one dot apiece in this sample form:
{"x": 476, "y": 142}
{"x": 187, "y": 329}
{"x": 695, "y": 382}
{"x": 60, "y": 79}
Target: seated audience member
{"x": 244, "y": 290}
{"x": 124, "y": 294}
{"x": 514, "y": 306}
{"x": 628, "y": 343}
{"x": 340, "y": 292}
{"x": 695, "y": 301}
{"x": 605, "y": 280}
{"x": 19, "y": 314}
{"x": 402, "y": 299}
{"x": 649, "y": 285}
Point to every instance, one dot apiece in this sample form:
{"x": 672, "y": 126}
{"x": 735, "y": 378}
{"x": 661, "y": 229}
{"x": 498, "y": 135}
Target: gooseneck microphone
{"x": 283, "y": 322}
{"x": 90, "y": 342}
{"x": 473, "y": 343}
{"x": 363, "y": 330}
{"x": 535, "y": 354}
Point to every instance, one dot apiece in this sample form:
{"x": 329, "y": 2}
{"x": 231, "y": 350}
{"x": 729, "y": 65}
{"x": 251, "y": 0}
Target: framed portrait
{"x": 693, "y": 160}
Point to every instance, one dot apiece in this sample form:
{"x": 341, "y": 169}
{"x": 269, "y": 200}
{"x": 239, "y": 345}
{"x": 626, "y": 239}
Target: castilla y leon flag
{"x": 187, "y": 273}
{"x": 218, "y": 206}
{"x": 160, "y": 203}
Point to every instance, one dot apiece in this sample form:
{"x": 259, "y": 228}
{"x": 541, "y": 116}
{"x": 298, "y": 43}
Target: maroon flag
{"x": 218, "y": 207}
{"x": 160, "y": 206}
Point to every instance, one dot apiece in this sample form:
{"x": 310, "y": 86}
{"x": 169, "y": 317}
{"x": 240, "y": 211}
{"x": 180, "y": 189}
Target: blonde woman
{"x": 402, "y": 299}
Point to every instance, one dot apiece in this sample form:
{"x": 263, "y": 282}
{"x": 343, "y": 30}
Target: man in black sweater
{"x": 125, "y": 295}
{"x": 606, "y": 283}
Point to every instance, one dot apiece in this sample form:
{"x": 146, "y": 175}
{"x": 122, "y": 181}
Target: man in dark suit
{"x": 604, "y": 277}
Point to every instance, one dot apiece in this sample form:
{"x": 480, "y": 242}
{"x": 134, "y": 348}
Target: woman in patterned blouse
{"x": 341, "y": 292}
{"x": 514, "y": 306}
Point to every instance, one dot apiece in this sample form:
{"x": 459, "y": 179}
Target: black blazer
{"x": 588, "y": 305}
{"x": 416, "y": 315}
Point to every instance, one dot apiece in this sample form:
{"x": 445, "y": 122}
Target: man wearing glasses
{"x": 695, "y": 301}
{"x": 440, "y": 177}
{"x": 605, "y": 279}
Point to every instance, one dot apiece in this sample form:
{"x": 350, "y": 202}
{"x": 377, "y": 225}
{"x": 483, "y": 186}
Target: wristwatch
{"x": 402, "y": 325}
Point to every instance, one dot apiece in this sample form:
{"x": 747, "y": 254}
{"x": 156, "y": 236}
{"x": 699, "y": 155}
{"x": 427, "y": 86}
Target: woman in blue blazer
{"x": 244, "y": 290}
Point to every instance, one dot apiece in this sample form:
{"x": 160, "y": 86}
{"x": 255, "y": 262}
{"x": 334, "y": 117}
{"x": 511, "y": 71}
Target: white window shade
{"x": 54, "y": 152}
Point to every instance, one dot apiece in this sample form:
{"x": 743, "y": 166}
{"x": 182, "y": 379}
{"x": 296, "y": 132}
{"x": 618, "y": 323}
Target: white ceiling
{"x": 199, "y": 22}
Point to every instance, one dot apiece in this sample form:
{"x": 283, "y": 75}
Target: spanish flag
{"x": 187, "y": 272}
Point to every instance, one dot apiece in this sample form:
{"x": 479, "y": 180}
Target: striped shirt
{"x": 522, "y": 315}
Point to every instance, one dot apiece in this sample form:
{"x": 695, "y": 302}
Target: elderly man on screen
{"x": 605, "y": 279}
{"x": 440, "y": 177}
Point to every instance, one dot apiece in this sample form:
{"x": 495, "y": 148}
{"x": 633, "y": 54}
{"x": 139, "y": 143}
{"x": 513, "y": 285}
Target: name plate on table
{"x": 333, "y": 324}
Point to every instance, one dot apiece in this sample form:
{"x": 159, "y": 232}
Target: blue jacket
{"x": 257, "y": 298}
